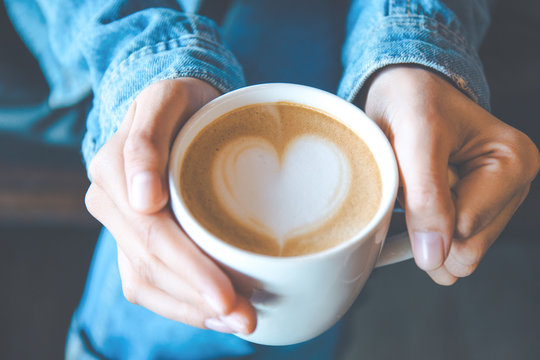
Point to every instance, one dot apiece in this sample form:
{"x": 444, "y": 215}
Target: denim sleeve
{"x": 443, "y": 36}
{"x": 116, "y": 48}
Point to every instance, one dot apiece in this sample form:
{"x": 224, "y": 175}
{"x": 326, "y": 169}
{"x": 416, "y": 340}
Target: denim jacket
{"x": 116, "y": 48}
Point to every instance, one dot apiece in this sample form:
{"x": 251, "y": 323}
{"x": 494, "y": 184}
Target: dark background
{"x": 47, "y": 239}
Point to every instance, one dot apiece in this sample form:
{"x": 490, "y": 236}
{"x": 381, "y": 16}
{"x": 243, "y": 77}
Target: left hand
{"x": 432, "y": 125}
{"x": 161, "y": 268}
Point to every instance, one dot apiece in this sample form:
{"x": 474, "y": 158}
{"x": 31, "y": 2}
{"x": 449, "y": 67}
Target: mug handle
{"x": 397, "y": 247}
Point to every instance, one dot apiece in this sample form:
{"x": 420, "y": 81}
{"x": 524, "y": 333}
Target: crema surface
{"x": 280, "y": 179}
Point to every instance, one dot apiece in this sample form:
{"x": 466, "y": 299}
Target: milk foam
{"x": 295, "y": 202}
{"x": 281, "y": 195}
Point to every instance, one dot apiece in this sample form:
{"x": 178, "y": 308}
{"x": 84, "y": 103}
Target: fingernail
{"x": 428, "y": 249}
{"x": 215, "y": 304}
{"x": 141, "y": 192}
{"x": 217, "y": 325}
{"x": 235, "y": 322}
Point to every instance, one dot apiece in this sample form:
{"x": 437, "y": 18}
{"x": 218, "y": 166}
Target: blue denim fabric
{"x": 443, "y": 36}
{"x": 106, "y": 325}
{"x": 303, "y": 46}
{"x": 112, "y": 49}
{"x": 116, "y": 48}
{"x": 24, "y": 107}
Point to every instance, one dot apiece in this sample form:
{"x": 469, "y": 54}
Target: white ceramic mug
{"x": 298, "y": 298}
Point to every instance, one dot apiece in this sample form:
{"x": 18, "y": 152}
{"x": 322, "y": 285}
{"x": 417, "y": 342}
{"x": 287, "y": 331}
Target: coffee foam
{"x": 315, "y": 182}
{"x": 281, "y": 195}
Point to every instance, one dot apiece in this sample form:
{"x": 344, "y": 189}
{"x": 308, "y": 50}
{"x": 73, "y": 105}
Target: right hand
{"x": 432, "y": 125}
{"x": 161, "y": 268}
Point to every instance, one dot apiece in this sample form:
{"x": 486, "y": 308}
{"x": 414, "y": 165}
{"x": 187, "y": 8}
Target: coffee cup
{"x": 291, "y": 190}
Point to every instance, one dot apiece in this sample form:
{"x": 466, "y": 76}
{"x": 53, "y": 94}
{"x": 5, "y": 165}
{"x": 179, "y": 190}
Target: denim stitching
{"x": 365, "y": 71}
{"x": 427, "y": 23}
{"x": 168, "y": 45}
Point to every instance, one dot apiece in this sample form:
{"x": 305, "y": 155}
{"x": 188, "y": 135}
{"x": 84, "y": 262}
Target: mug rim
{"x": 189, "y": 131}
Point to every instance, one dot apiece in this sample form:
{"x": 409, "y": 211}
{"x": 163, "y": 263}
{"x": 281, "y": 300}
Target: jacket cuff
{"x": 414, "y": 39}
{"x": 199, "y": 54}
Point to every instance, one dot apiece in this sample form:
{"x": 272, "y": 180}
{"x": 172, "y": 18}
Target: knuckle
{"x": 91, "y": 200}
{"x": 420, "y": 199}
{"x": 153, "y": 88}
{"x": 446, "y": 281}
{"x": 129, "y": 289}
{"x": 95, "y": 203}
{"x": 458, "y": 269}
{"x": 164, "y": 89}
{"x": 524, "y": 193}
{"x": 532, "y": 158}
{"x": 148, "y": 230}
{"x": 144, "y": 267}
{"x": 428, "y": 200}
{"x": 193, "y": 318}
{"x": 139, "y": 146}
{"x": 467, "y": 256}
{"x": 467, "y": 226}
{"x": 94, "y": 168}
{"x": 442, "y": 277}
{"x": 135, "y": 144}
{"x": 536, "y": 159}
{"x": 522, "y": 155}
{"x": 464, "y": 271}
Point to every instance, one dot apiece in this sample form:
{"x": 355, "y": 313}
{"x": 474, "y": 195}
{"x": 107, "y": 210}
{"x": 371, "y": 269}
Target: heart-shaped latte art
{"x": 281, "y": 196}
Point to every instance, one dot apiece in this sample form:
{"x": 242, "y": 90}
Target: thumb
{"x": 145, "y": 159}
{"x": 160, "y": 110}
{"x": 429, "y": 208}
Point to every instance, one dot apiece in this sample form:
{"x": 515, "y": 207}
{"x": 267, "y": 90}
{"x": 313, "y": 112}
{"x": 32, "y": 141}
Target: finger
{"x": 466, "y": 254}
{"x": 164, "y": 239}
{"x": 487, "y": 186}
{"x": 156, "y": 274}
{"x": 185, "y": 259}
{"x": 107, "y": 163}
{"x": 196, "y": 313}
{"x": 161, "y": 110}
{"x": 181, "y": 291}
{"x": 146, "y": 148}
{"x": 429, "y": 207}
{"x": 442, "y": 276}
{"x": 139, "y": 292}
{"x": 108, "y": 167}
{"x": 157, "y": 241}
{"x": 243, "y": 317}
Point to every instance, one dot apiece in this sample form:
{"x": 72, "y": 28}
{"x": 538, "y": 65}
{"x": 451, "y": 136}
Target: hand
{"x": 431, "y": 124}
{"x": 160, "y": 267}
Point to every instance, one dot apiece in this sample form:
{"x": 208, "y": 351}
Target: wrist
{"x": 405, "y": 86}
{"x": 382, "y": 79}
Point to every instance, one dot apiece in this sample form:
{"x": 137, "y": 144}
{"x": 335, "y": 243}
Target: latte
{"x": 280, "y": 179}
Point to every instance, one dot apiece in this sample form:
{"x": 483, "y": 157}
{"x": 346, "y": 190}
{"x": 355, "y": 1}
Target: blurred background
{"x": 47, "y": 239}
